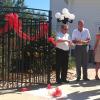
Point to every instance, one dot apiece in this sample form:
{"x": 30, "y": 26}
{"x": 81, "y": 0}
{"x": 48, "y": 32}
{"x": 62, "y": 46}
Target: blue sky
{"x": 38, "y": 4}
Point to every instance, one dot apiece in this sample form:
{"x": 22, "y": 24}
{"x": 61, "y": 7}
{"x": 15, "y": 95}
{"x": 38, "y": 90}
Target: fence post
{"x": 49, "y": 34}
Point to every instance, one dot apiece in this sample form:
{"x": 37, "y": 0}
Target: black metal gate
{"x": 24, "y": 47}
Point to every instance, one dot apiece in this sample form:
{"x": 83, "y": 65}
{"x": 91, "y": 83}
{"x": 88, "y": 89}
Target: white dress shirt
{"x": 84, "y": 35}
{"x": 63, "y": 45}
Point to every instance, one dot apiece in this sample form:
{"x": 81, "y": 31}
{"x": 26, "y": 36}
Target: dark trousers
{"x": 81, "y": 56}
{"x": 61, "y": 64}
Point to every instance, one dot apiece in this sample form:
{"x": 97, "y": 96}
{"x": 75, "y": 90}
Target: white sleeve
{"x": 58, "y": 36}
{"x": 88, "y": 34}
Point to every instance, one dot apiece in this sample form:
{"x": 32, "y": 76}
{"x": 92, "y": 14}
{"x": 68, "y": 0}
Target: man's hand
{"x": 70, "y": 43}
{"x": 84, "y": 42}
{"x": 77, "y": 41}
{"x": 61, "y": 40}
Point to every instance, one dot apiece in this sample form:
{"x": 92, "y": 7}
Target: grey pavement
{"x": 83, "y": 90}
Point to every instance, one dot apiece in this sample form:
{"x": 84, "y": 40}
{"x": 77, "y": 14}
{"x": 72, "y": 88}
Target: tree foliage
{"x": 12, "y": 3}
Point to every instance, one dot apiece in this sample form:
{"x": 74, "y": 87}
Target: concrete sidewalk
{"x": 83, "y": 90}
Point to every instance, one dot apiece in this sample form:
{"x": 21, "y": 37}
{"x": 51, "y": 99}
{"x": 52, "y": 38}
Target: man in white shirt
{"x": 81, "y": 38}
{"x": 62, "y": 54}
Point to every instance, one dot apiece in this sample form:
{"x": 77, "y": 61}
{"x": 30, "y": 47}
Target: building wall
{"x": 89, "y": 10}
{"x": 56, "y": 6}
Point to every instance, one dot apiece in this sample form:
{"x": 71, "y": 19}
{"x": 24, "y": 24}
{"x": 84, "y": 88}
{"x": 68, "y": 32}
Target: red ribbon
{"x": 24, "y": 89}
{"x": 13, "y": 22}
{"x": 52, "y": 40}
{"x": 49, "y": 86}
{"x": 57, "y": 93}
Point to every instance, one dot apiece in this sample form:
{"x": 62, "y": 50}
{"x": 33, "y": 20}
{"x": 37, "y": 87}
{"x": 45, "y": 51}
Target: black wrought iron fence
{"x": 24, "y": 47}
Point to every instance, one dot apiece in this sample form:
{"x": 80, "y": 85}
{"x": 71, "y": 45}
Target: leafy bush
{"x": 71, "y": 62}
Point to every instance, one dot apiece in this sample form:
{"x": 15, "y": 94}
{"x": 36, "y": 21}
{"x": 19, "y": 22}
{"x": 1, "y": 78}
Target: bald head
{"x": 64, "y": 28}
{"x": 64, "y": 25}
{"x": 80, "y": 25}
{"x": 81, "y": 22}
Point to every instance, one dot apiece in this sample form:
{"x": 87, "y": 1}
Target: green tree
{"x": 12, "y": 3}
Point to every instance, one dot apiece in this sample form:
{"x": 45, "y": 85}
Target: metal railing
{"x": 24, "y": 48}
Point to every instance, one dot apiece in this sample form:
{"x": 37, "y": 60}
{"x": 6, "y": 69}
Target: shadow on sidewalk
{"x": 82, "y": 83}
{"x": 87, "y": 95}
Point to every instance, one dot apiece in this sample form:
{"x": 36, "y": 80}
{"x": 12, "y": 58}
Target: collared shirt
{"x": 63, "y": 45}
{"x": 84, "y": 35}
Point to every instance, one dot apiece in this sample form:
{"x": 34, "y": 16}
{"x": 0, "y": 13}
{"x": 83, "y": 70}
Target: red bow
{"x": 51, "y": 40}
{"x": 57, "y": 93}
{"x": 13, "y": 22}
{"x": 49, "y": 86}
{"x": 24, "y": 89}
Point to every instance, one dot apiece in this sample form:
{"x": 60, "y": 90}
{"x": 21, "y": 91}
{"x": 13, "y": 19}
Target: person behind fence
{"x": 62, "y": 53}
{"x": 81, "y": 38}
{"x": 97, "y": 54}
